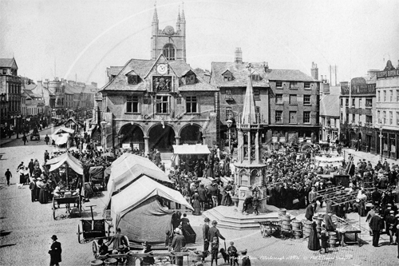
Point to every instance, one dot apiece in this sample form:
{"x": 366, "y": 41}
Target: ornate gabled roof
{"x": 144, "y": 68}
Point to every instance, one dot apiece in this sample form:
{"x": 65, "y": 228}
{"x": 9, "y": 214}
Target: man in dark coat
{"x": 55, "y": 252}
{"x": 214, "y": 232}
{"x": 205, "y": 234}
{"x": 31, "y": 167}
{"x": 310, "y": 210}
{"x": 376, "y": 225}
{"x": 178, "y": 243}
{"x": 202, "y": 196}
{"x": 8, "y": 176}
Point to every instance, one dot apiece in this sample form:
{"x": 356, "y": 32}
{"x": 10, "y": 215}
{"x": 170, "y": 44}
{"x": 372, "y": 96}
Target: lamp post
{"x": 229, "y": 123}
{"x": 381, "y": 142}
{"x": 103, "y": 125}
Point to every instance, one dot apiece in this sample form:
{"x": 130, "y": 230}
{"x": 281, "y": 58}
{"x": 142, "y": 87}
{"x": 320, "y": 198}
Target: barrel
{"x": 333, "y": 238}
{"x": 286, "y": 227}
{"x": 110, "y": 262}
{"x": 297, "y": 234}
{"x": 282, "y": 212}
{"x": 296, "y": 225}
{"x": 96, "y": 262}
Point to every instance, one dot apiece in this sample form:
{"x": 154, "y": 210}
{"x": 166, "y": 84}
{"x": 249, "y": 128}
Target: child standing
{"x": 232, "y": 251}
{"x": 324, "y": 239}
{"x": 214, "y": 250}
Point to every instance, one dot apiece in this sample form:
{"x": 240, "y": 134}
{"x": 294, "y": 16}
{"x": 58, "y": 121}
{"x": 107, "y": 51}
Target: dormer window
{"x": 190, "y": 79}
{"x": 133, "y": 79}
{"x": 256, "y": 77}
{"x": 227, "y": 76}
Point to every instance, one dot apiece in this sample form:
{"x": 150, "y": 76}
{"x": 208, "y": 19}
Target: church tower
{"x": 169, "y": 41}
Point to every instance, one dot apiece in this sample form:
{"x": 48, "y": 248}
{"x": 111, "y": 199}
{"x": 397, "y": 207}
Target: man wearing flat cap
{"x": 55, "y": 252}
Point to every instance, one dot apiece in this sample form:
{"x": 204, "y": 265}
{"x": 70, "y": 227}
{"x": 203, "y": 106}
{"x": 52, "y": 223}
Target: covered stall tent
{"x": 137, "y": 210}
{"x": 67, "y": 158}
{"x": 62, "y": 135}
{"x": 324, "y": 161}
{"x": 191, "y": 150}
{"x": 127, "y": 169}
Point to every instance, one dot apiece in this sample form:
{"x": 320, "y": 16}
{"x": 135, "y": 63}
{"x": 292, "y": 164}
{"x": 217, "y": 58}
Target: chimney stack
{"x": 238, "y": 56}
{"x": 314, "y": 71}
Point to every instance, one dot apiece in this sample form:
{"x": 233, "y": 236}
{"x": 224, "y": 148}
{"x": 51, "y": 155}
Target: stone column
{"x": 249, "y": 146}
{"x": 146, "y": 145}
{"x": 240, "y": 147}
{"x": 257, "y": 151}
{"x": 177, "y": 140}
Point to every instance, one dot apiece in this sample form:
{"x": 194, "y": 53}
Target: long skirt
{"x": 43, "y": 196}
{"x": 313, "y": 243}
{"x": 197, "y": 207}
{"x": 22, "y": 179}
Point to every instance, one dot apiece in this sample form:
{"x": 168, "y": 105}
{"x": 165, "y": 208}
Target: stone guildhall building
{"x": 157, "y": 103}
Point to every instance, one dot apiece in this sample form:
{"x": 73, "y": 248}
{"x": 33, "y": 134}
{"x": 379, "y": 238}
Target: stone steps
{"x": 229, "y": 218}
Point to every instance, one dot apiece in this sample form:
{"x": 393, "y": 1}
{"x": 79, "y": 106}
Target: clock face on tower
{"x": 162, "y": 69}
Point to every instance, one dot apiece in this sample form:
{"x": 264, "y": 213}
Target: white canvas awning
{"x": 72, "y": 162}
{"x": 127, "y": 169}
{"x": 63, "y": 130}
{"x": 143, "y": 189}
{"x": 60, "y": 139}
{"x": 191, "y": 149}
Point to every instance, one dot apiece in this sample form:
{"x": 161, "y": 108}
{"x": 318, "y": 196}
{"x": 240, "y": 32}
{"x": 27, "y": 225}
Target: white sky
{"x": 82, "y": 37}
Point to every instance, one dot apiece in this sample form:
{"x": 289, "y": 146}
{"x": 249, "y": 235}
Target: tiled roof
{"x": 8, "y": 62}
{"x": 30, "y": 87}
{"x": 329, "y": 105}
{"x": 240, "y": 74}
{"x": 144, "y": 67}
{"x": 114, "y": 70}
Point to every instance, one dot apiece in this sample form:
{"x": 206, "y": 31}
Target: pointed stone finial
{"x": 183, "y": 17}
{"x": 155, "y": 17}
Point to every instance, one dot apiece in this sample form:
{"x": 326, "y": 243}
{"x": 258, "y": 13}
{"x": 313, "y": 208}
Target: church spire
{"x": 178, "y": 20}
{"x": 155, "y": 17}
{"x": 183, "y": 17}
{"x": 248, "y": 112}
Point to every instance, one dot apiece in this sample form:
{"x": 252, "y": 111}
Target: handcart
{"x": 66, "y": 198}
{"x": 93, "y": 229}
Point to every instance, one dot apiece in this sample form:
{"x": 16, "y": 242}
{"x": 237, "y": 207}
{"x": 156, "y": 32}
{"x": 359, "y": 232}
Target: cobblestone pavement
{"x": 26, "y": 228}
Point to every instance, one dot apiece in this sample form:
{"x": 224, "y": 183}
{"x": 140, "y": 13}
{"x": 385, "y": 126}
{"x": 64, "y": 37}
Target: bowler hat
{"x": 54, "y": 237}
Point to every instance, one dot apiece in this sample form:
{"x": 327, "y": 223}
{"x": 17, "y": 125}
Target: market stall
{"x": 140, "y": 211}
{"x": 324, "y": 161}
{"x": 188, "y": 152}
{"x": 127, "y": 169}
{"x": 62, "y": 135}
{"x": 68, "y": 190}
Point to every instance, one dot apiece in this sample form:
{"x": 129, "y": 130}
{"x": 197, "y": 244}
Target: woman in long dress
{"x": 196, "y": 203}
{"x": 313, "y": 243}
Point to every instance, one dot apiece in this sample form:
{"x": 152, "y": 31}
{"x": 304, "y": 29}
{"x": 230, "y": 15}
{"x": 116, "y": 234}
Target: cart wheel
{"x": 95, "y": 249}
{"x": 79, "y": 233}
{"x": 127, "y": 241}
{"x": 54, "y": 213}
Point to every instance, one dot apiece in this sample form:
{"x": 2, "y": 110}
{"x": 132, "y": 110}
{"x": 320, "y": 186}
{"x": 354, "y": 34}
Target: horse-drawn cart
{"x": 69, "y": 200}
